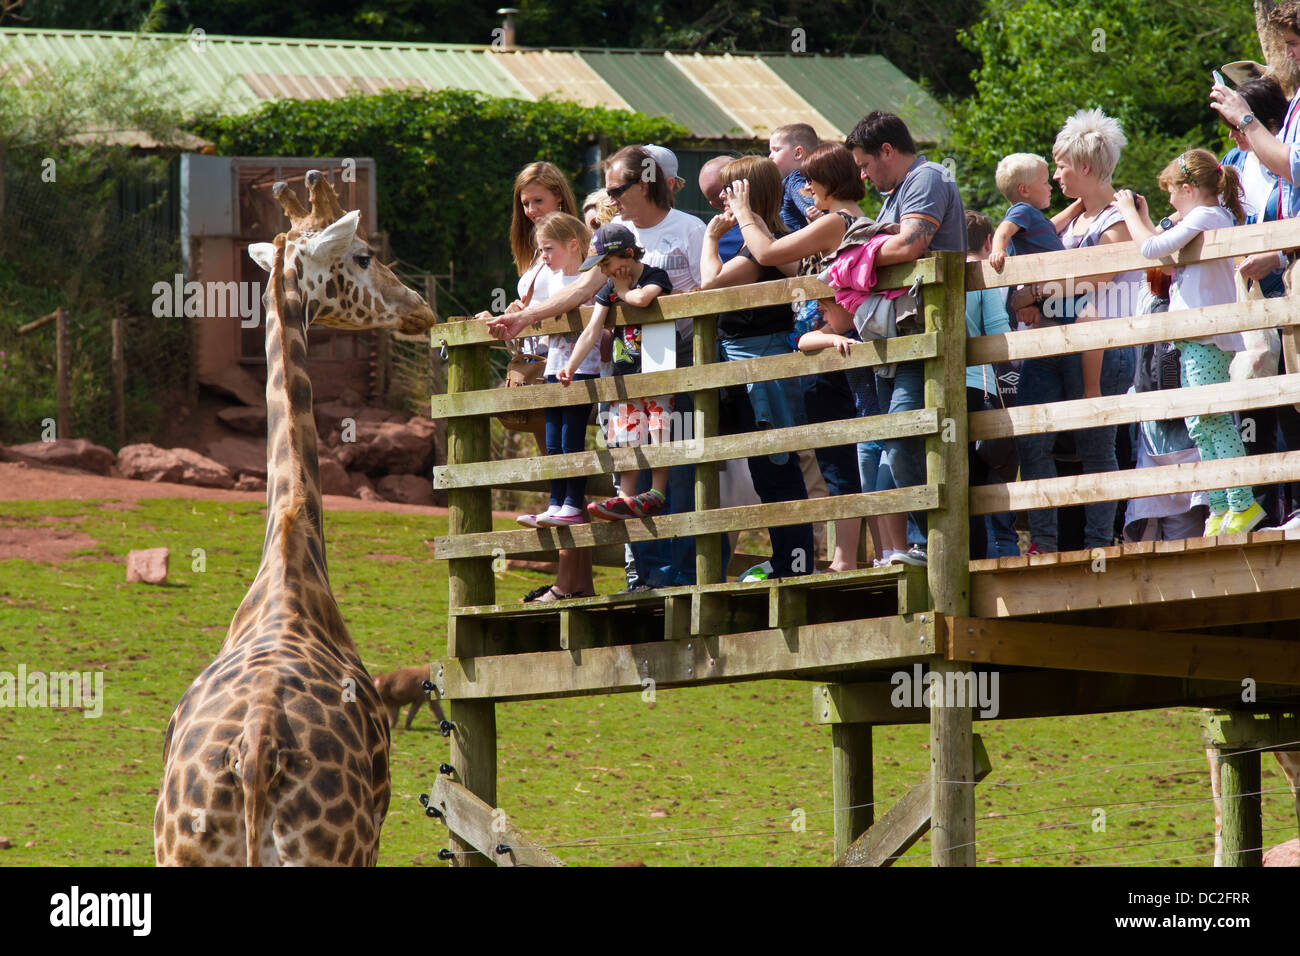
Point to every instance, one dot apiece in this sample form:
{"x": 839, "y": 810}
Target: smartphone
{"x": 1218, "y": 77}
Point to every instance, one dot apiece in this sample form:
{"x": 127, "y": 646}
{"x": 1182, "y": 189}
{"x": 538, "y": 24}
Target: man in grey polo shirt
{"x": 923, "y": 199}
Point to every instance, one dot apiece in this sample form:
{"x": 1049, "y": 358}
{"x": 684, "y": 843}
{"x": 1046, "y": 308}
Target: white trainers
{"x": 1292, "y": 523}
{"x": 915, "y": 555}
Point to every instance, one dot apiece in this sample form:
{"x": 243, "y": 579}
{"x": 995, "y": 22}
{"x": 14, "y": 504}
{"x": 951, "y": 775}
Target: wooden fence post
{"x": 1243, "y": 832}
{"x": 852, "y": 786}
{"x": 119, "y": 381}
{"x": 709, "y": 568}
{"x": 952, "y": 766}
{"x": 473, "y": 742}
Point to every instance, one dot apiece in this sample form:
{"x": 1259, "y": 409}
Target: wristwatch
{"x": 1246, "y": 121}
{"x": 1166, "y": 224}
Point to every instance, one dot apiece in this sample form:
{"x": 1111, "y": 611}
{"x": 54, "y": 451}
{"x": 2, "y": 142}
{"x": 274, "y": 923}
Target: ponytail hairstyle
{"x": 1201, "y": 170}
{"x": 563, "y": 228}
{"x": 522, "y": 246}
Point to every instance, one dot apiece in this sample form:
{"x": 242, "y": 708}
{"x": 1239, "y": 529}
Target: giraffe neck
{"x": 295, "y": 534}
{"x": 292, "y": 584}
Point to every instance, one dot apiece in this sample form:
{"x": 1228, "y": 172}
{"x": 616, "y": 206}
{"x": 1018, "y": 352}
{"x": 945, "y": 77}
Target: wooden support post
{"x": 63, "y": 423}
{"x": 851, "y": 783}
{"x": 474, "y": 759}
{"x": 904, "y": 823}
{"x": 1243, "y": 834}
{"x": 469, "y": 509}
{"x": 474, "y": 740}
{"x": 491, "y": 833}
{"x": 119, "y": 381}
{"x": 952, "y": 770}
{"x": 709, "y": 567}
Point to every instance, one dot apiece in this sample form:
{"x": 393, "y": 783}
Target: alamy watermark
{"x": 80, "y": 690}
{"x": 953, "y": 689}
{"x": 210, "y": 300}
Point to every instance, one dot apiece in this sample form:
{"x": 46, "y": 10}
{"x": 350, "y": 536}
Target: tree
{"x": 1146, "y": 62}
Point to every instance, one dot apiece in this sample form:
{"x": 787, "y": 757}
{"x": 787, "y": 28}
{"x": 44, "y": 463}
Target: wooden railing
{"x": 1281, "y": 313}
{"x": 943, "y": 422}
{"x": 468, "y": 476}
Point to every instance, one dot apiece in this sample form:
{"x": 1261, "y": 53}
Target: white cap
{"x": 665, "y": 158}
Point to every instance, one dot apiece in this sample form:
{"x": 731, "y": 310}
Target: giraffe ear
{"x": 331, "y": 242}
{"x": 263, "y": 253}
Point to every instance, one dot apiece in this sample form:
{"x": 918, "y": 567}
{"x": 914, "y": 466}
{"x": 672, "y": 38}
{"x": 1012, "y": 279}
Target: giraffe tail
{"x": 257, "y": 767}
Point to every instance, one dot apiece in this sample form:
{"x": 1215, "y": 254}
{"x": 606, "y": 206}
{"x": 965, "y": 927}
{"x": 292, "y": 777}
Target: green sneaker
{"x": 1237, "y": 522}
{"x": 1213, "y": 522}
{"x": 759, "y": 572}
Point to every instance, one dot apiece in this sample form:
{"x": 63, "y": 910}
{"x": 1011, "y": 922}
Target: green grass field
{"x": 710, "y": 775}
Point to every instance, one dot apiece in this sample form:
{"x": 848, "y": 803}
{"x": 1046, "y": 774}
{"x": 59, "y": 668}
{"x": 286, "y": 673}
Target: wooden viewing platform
{"x": 1152, "y": 624}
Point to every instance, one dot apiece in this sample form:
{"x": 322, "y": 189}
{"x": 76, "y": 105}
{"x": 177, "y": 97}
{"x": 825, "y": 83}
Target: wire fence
{"x": 780, "y": 825}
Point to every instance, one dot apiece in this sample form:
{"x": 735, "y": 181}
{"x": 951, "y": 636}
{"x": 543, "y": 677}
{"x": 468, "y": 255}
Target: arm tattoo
{"x": 919, "y": 230}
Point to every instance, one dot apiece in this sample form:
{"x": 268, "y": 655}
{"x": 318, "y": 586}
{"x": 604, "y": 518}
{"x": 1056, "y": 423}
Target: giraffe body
{"x": 277, "y": 753}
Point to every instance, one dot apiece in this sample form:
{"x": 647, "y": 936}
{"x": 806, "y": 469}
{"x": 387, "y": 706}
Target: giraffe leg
{"x": 1213, "y": 756}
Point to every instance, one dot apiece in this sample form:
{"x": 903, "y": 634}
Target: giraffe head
{"x": 342, "y": 282}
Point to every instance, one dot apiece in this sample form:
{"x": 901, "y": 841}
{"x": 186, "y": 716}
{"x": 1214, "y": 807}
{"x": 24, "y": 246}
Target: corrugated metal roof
{"x": 651, "y": 86}
{"x": 714, "y": 96}
{"x": 747, "y": 89}
{"x": 565, "y": 75}
{"x": 848, "y": 88}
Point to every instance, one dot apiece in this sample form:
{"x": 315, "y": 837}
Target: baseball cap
{"x": 610, "y": 238}
{"x": 666, "y": 159}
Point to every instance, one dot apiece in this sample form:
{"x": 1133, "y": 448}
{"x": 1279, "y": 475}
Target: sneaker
{"x": 619, "y": 508}
{"x": 1213, "y": 523}
{"x": 915, "y": 555}
{"x": 557, "y": 520}
{"x": 1034, "y": 549}
{"x": 1238, "y": 521}
{"x": 533, "y": 521}
{"x": 651, "y": 503}
{"x": 759, "y": 572}
{"x": 1292, "y": 523}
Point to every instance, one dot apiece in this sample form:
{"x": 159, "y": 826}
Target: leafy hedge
{"x": 445, "y": 163}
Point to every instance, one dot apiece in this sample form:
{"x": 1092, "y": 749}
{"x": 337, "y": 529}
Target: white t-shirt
{"x": 1204, "y": 283}
{"x": 675, "y": 245}
{"x": 560, "y": 347}
{"x": 1257, "y": 183}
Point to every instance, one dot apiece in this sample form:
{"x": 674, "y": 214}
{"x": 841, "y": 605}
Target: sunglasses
{"x": 615, "y": 192}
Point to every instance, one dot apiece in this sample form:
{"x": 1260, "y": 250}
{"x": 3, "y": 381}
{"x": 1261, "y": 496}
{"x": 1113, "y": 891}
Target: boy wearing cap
{"x": 636, "y": 421}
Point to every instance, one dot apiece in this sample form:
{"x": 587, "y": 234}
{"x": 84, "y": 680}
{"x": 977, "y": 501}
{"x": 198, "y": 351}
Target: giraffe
{"x": 277, "y": 753}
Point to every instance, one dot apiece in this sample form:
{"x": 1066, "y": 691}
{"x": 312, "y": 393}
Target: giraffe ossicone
{"x": 277, "y": 753}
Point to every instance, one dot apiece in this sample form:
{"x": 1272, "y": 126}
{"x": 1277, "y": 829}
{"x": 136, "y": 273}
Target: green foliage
{"x": 1145, "y": 62}
{"x": 446, "y": 163}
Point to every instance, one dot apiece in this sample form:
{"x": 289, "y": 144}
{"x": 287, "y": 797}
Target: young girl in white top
{"x": 1200, "y": 189}
{"x": 562, "y": 244}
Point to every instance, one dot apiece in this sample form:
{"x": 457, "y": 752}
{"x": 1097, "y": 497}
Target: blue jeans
{"x": 1060, "y": 378}
{"x": 905, "y": 392}
{"x": 792, "y": 545}
{"x": 828, "y": 398}
{"x": 767, "y": 399}
{"x": 1003, "y": 542}
{"x": 566, "y": 432}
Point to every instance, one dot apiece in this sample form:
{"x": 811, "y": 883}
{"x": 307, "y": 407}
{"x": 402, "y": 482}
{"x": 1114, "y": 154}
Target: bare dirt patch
{"x": 42, "y": 543}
